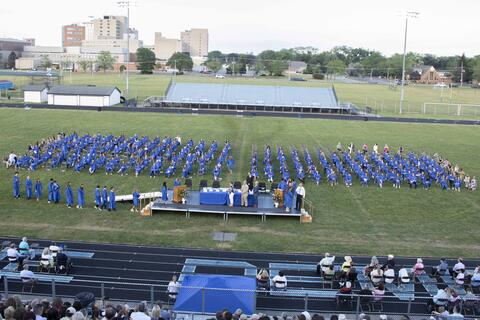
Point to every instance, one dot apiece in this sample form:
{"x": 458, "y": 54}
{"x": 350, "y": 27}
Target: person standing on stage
{"x": 164, "y": 192}
{"x": 112, "y": 204}
{"x": 69, "y": 195}
{"x": 16, "y": 186}
{"x": 244, "y": 191}
{"x": 38, "y": 189}
{"x": 300, "y": 191}
{"x": 28, "y": 188}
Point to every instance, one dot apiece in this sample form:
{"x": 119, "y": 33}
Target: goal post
{"x": 457, "y": 109}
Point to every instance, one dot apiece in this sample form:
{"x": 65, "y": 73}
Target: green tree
{"x": 84, "y": 64}
{"x": 335, "y": 67}
{"x": 182, "y": 61}
{"x": 213, "y": 65}
{"x": 145, "y": 60}
{"x": 105, "y": 61}
{"x": 476, "y": 69}
{"x": 45, "y": 62}
{"x": 11, "y": 60}
{"x": 122, "y": 68}
{"x": 278, "y": 67}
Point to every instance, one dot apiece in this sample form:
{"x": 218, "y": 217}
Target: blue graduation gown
{"x": 28, "y": 188}
{"x": 56, "y": 192}
{"x": 98, "y": 197}
{"x": 136, "y": 199}
{"x": 289, "y": 198}
{"x": 50, "y": 191}
{"x": 16, "y": 186}
{"x": 164, "y": 194}
{"x": 69, "y": 196}
{"x": 38, "y": 189}
{"x": 104, "y": 198}
{"x": 113, "y": 204}
{"x": 81, "y": 197}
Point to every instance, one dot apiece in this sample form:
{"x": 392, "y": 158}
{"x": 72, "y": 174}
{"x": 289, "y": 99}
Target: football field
{"x": 347, "y": 220}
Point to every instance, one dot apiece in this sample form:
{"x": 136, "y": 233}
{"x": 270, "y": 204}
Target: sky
{"x": 444, "y": 27}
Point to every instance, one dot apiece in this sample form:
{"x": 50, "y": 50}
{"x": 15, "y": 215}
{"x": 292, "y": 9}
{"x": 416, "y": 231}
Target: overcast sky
{"x": 444, "y": 27}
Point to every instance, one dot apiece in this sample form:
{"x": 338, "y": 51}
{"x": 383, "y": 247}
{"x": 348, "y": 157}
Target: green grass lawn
{"x": 348, "y": 220}
{"x": 383, "y": 100}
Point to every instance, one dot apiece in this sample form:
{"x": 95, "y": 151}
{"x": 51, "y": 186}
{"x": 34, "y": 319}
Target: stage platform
{"x": 264, "y": 208}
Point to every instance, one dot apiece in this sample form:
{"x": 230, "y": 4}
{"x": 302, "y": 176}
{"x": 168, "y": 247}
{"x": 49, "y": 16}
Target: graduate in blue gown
{"x": 104, "y": 198}
{"x": 230, "y": 164}
{"x": 69, "y": 195}
{"x": 28, "y": 187}
{"x": 38, "y": 189}
{"x": 56, "y": 191}
{"x": 81, "y": 197}
{"x": 50, "y": 190}
{"x": 16, "y": 186}
{"x": 98, "y": 198}
{"x": 112, "y": 204}
{"x": 136, "y": 201}
{"x": 164, "y": 192}
{"x": 288, "y": 197}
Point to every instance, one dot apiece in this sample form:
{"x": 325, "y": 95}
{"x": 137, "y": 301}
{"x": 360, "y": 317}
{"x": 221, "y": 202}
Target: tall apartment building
{"x": 164, "y": 48}
{"x": 195, "y": 42}
{"x": 73, "y": 35}
{"x": 110, "y": 27}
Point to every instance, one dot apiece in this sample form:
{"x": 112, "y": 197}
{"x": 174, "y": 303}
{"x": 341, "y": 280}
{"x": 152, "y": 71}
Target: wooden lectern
{"x": 177, "y": 193}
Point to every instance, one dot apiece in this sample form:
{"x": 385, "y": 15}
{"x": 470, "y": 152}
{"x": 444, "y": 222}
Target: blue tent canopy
{"x": 235, "y": 292}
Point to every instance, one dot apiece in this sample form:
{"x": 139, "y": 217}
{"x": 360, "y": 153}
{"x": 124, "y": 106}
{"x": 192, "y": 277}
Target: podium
{"x": 177, "y": 193}
{"x": 279, "y": 197}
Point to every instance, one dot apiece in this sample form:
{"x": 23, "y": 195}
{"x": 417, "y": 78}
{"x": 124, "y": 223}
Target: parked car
{"x": 219, "y": 76}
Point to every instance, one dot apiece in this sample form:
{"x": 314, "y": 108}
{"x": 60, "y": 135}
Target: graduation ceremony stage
{"x": 216, "y": 203}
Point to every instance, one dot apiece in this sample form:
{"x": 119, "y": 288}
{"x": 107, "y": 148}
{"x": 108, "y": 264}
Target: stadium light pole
{"x": 126, "y": 4}
{"x": 409, "y": 14}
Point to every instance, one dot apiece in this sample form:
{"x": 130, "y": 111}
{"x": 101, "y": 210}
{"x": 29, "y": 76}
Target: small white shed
{"x": 35, "y": 93}
{"x": 84, "y": 96}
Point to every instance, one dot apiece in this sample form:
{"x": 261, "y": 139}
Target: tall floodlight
{"x": 127, "y": 4}
{"x": 409, "y": 14}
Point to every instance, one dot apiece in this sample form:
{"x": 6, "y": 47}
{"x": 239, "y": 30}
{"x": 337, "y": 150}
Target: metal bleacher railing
{"x": 315, "y": 300}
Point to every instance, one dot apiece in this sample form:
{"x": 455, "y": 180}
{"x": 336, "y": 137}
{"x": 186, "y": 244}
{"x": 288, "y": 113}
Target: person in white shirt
{"x": 300, "y": 191}
{"x": 325, "y": 263}
{"x": 460, "y": 278}
{"x": 140, "y": 313}
{"x": 403, "y": 276}
{"x": 173, "y": 288}
{"x": 27, "y": 276}
{"x": 459, "y": 266}
{"x": 280, "y": 281}
{"x": 389, "y": 275}
{"x": 14, "y": 256}
{"x": 12, "y": 159}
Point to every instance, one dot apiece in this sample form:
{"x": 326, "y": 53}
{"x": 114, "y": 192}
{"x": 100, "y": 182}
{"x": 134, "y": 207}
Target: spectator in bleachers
{"x": 441, "y": 269}
{"x": 53, "y": 314}
{"x": 370, "y": 267}
{"x": 403, "y": 277}
{"x": 156, "y": 312}
{"x": 38, "y": 310}
{"x": 122, "y": 313}
{"x": 25, "y": 250}
{"x": 69, "y": 313}
{"x": 460, "y": 278}
{"x": 454, "y": 300}
{"x": 77, "y": 316}
{"x": 280, "y": 281}
{"x": 14, "y": 256}
{"x": 46, "y": 259}
{"x": 475, "y": 279}
{"x": 8, "y": 313}
{"x": 346, "y": 289}
{"x": 459, "y": 266}
{"x": 325, "y": 263}
{"x": 455, "y": 315}
{"x": 378, "y": 292}
{"x": 441, "y": 314}
{"x": 390, "y": 262}
{"x": 389, "y": 274}
{"x": 376, "y": 276}
{"x": 418, "y": 268}
{"x": 110, "y": 313}
{"x": 140, "y": 313}
{"x": 347, "y": 265}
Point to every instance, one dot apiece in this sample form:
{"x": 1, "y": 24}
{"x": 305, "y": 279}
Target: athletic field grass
{"x": 383, "y": 100}
{"x": 347, "y": 220}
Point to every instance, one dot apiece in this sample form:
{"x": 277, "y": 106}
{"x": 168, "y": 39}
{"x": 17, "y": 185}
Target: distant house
{"x": 88, "y": 96}
{"x": 296, "y": 67}
{"x": 35, "y": 93}
{"x": 429, "y": 75}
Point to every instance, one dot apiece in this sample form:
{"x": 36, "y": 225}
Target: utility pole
{"x": 461, "y": 71}
{"x": 126, "y": 4}
{"x": 409, "y": 14}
